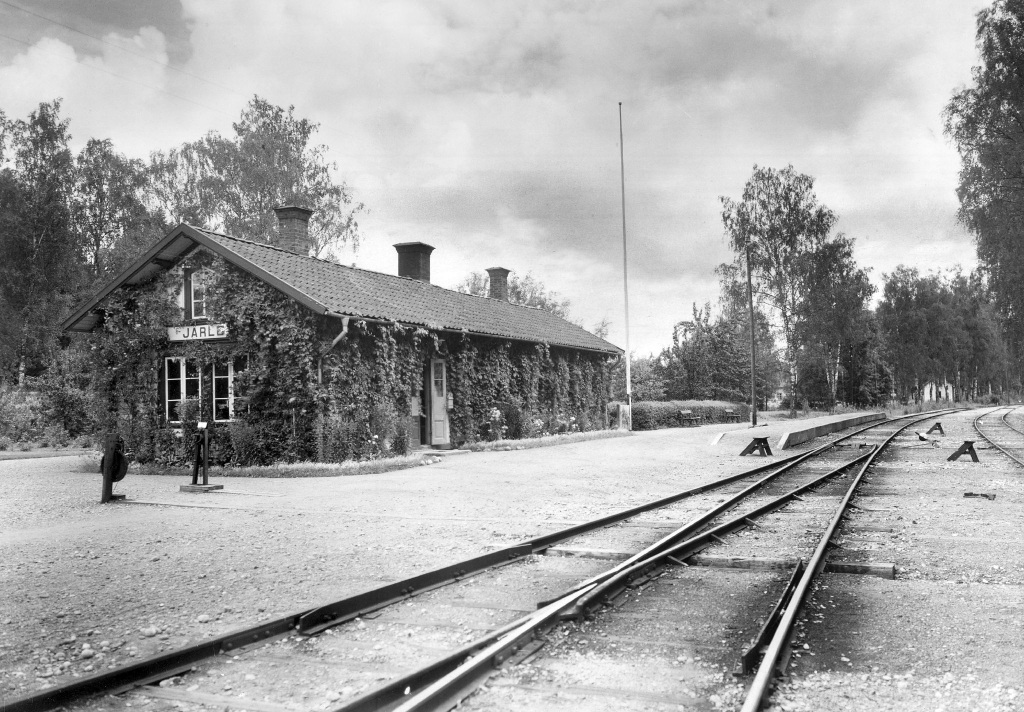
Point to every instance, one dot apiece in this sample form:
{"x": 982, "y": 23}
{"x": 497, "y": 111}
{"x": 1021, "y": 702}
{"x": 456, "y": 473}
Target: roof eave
{"x": 137, "y": 266}
{"x": 199, "y": 238}
{"x": 614, "y": 351}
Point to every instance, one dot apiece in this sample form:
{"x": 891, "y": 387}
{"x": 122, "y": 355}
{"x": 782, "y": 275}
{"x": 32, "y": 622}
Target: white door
{"x": 438, "y": 403}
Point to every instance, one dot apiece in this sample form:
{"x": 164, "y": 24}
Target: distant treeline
{"x": 818, "y": 340}
{"x": 69, "y": 222}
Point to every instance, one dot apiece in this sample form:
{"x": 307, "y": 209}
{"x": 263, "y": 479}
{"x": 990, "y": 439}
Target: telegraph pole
{"x": 625, "y": 275}
{"x": 753, "y": 341}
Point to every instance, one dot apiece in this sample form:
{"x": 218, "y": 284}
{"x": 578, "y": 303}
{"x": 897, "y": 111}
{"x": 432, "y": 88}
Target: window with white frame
{"x": 223, "y": 391}
{"x": 197, "y": 290}
{"x": 181, "y": 382}
{"x": 183, "y": 379}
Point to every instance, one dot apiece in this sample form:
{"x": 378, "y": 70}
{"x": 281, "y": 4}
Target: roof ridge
{"x": 375, "y": 272}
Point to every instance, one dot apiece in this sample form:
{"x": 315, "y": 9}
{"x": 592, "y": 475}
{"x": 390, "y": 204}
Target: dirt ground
{"x": 85, "y": 586}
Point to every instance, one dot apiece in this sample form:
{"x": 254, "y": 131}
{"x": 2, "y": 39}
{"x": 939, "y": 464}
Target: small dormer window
{"x": 195, "y": 290}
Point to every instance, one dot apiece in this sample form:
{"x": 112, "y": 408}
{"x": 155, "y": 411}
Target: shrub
{"x": 342, "y": 437}
{"x": 338, "y": 438}
{"x": 20, "y": 417}
{"x": 245, "y": 444}
{"x": 83, "y": 442}
{"x": 384, "y": 436}
{"x": 493, "y": 428}
{"x": 55, "y": 436}
{"x": 652, "y": 415}
{"x": 514, "y": 421}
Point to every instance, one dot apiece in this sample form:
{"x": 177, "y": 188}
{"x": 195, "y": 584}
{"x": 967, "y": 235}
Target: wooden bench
{"x": 731, "y": 416}
{"x": 688, "y": 419}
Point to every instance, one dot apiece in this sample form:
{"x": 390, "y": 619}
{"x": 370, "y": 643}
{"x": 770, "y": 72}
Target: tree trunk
{"x": 834, "y": 385}
{"x": 792, "y": 385}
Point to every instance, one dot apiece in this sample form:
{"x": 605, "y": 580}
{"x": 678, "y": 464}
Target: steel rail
{"x": 313, "y": 620}
{"x": 707, "y": 516}
{"x": 449, "y": 689}
{"x": 770, "y": 664}
{"x": 332, "y": 614}
{"x": 992, "y": 442}
{"x": 614, "y": 584}
{"x": 1007, "y": 423}
{"x": 771, "y": 624}
{"x": 668, "y": 542}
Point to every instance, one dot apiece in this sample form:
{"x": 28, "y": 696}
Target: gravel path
{"x": 130, "y": 580}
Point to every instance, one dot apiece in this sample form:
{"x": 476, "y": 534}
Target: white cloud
{"x": 490, "y": 129}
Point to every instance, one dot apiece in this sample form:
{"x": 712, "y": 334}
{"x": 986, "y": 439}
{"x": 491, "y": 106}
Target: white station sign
{"x": 200, "y": 332}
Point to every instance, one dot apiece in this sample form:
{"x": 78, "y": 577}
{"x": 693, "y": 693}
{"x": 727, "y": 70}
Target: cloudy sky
{"x": 490, "y": 129}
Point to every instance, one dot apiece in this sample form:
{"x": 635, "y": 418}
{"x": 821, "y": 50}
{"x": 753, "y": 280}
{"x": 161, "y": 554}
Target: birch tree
{"x": 233, "y": 183}
{"x": 776, "y": 227}
{"x": 830, "y": 316}
{"x": 40, "y": 265}
{"x": 110, "y": 218}
{"x": 986, "y": 123}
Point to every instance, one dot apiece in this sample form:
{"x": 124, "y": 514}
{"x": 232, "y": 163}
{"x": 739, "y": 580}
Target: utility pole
{"x": 625, "y": 275}
{"x": 753, "y": 340}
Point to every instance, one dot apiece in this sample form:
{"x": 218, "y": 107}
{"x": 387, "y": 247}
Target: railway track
{"x": 1001, "y": 433}
{"x": 429, "y": 641}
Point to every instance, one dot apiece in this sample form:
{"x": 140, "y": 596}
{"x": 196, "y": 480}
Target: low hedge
{"x": 652, "y": 415}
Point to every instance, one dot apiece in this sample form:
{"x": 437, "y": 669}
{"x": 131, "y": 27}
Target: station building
{"x": 291, "y": 357}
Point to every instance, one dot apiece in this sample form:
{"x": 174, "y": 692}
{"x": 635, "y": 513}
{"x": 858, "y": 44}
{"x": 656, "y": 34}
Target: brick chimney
{"x": 293, "y": 229}
{"x": 414, "y": 260}
{"x": 499, "y": 283}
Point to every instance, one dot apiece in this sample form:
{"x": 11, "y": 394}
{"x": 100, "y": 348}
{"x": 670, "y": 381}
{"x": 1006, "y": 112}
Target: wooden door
{"x": 438, "y": 403}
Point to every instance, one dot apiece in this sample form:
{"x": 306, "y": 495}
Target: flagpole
{"x": 625, "y": 258}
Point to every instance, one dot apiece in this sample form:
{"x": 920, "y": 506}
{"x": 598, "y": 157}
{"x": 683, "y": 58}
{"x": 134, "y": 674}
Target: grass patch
{"x": 347, "y": 469}
{"x": 372, "y": 467}
{"x": 546, "y": 440}
{"x": 44, "y": 452}
{"x": 297, "y": 469}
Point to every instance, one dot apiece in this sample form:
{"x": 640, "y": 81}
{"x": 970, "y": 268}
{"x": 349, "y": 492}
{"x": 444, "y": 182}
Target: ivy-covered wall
{"x": 299, "y": 399}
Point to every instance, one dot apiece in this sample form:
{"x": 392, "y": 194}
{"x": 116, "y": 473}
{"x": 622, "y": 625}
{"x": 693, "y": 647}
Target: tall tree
{"x": 986, "y": 122}
{"x": 39, "y": 273}
{"x": 234, "y": 183}
{"x": 109, "y": 214}
{"x": 527, "y": 291}
{"x": 735, "y": 321}
{"x": 867, "y": 380}
{"x": 778, "y": 225}
{"x": 687, "y": 366}
{"x": 830, "y": 318}
{"x": 941, "y": 329}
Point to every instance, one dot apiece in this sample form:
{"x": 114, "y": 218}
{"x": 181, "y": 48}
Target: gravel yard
{"x": 86, "y": 586}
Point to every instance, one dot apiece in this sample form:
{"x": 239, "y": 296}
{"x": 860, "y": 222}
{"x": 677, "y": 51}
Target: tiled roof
{"x": 361, "y": 293}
